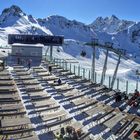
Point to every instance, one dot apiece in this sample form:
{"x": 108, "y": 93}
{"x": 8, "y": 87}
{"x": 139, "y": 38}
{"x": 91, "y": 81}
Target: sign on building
{"x": 35, "y": 39}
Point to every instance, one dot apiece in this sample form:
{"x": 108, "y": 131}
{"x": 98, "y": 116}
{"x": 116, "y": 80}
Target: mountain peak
{"x": 110, "y": 24}
{"x": 13, "y": 10}
{"x": 114, "y": 17}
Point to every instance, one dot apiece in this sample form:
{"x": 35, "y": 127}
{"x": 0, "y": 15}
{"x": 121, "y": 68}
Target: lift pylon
{"x": 51, "y": 52}
{"x": 104, "y": 68}
{"x": 115, "y": 72}
{"x": 93, "y": 65}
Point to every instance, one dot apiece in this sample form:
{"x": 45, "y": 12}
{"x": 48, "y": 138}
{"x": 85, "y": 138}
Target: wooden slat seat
{"x": 14, "y": 122}
{"x": 53, "y": 115}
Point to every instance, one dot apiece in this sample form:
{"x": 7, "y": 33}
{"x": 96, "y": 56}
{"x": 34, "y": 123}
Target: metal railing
{"x": 123, "y": 85}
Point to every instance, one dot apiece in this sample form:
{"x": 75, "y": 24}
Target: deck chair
{"x": 95, "y": 109}
{"x": 110, "y": 123}
{"x": 83, "y": 100}
{"x": 44, "y": 103}
{"x": 53, "y": 115}
{"x": 57, "y": 123}
{"x": 36, "y": 96}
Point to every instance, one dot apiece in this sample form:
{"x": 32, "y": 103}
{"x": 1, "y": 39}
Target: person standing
{"x": 29, "y": 63}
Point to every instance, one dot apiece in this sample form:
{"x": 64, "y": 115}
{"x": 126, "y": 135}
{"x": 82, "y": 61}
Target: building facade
{"x": 26, "y": 50}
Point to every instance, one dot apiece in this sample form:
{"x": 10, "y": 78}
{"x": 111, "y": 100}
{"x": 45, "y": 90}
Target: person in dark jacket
{"x": 50, "y": 69}
{"x": 59, "y": 81}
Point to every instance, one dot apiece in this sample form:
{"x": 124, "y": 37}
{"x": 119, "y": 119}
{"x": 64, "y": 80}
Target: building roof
{"x": 27, "y": 45}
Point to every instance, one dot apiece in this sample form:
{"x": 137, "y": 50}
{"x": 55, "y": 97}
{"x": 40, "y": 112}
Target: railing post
{"x": 79, "y": 70}
{"x": 60, "y": 63}
{"x": 89, "y": 74}
{"x": 54, "y": 61}
{"x": 83, "y": 73}
{"x": 74, "y": 69}
{"x": 109, "y": 81}
{"x": 137, "y": 85}
{"x": 66, "y": 66}
{"x": 95, "y": 77}
{"x": 70, "y": 67}
{"x": 117, "y": 83}
{"x": 126, "y": 87}
{"x": 63, "y": 64}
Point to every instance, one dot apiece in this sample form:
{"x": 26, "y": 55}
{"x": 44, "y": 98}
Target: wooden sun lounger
{"x": 53, "y": 115}
{"x": 14, "y": 122}
{"x": 44, "y": 103}
{"x": 74, "y": 77}
{"x": 26, "y": 77}
{"x": 30, "y": 82}
{"x": 55, "y": 83}
{"x": 8, "y": 96}
{"x": 113, "y": 121}
{"x": 38, "y": 93}
{"x": 13, "y": 113}
{"x": 7, "y": 83}
{"x": 45, "y": 73}
{"x": 46, "y": 109}
{"x": 58, "y": 122}
{"x": 107, "y": 111}
{"x": 66, "y": 74}
{"x": 92, "y": 103}
{"x": 110, "y": 93}
{"x": 23, "y": 73}
{"x": 83, "y": 100}
{"x": 70, "y": 93}
{"x": 126, "y": 123}
{"x": 7, "y": 88}
{"x": 74, "y": 97}
{"x": 9, "y": 92}
{"x": 17, "y": 131}
{"x": 9, "y": 101}
{"x": 96, "y": 109}
{"x": 6, "y": 77}
{"x": 39, "y": 97}
{"x": 31, "y": 88}
{"x": 48, "y": 78}
{"x": 64, "y": 89}
{"x": 5, "y": 73}
{"x": 87, "y": 85}
{"x": 11, "y": 107}
{"x": 40, "y": 70}
{"x": 64, "y": 86}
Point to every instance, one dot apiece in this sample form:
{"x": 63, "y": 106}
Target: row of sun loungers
{"x": 51, "y": 112}
{"x": 59, "y": 117}
{"x": 45, "y": 106}
{"x": 109, "y": 116}
{"x": 14, "y": 124}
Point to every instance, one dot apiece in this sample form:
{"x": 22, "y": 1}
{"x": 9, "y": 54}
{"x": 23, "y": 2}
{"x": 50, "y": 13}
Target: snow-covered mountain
{"x": 14, "y": 20}
{"x": 110, "y": 24}
{"x": 71, "y": 29}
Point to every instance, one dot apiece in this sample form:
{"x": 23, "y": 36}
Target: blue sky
{"x": 82, "y": 10}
